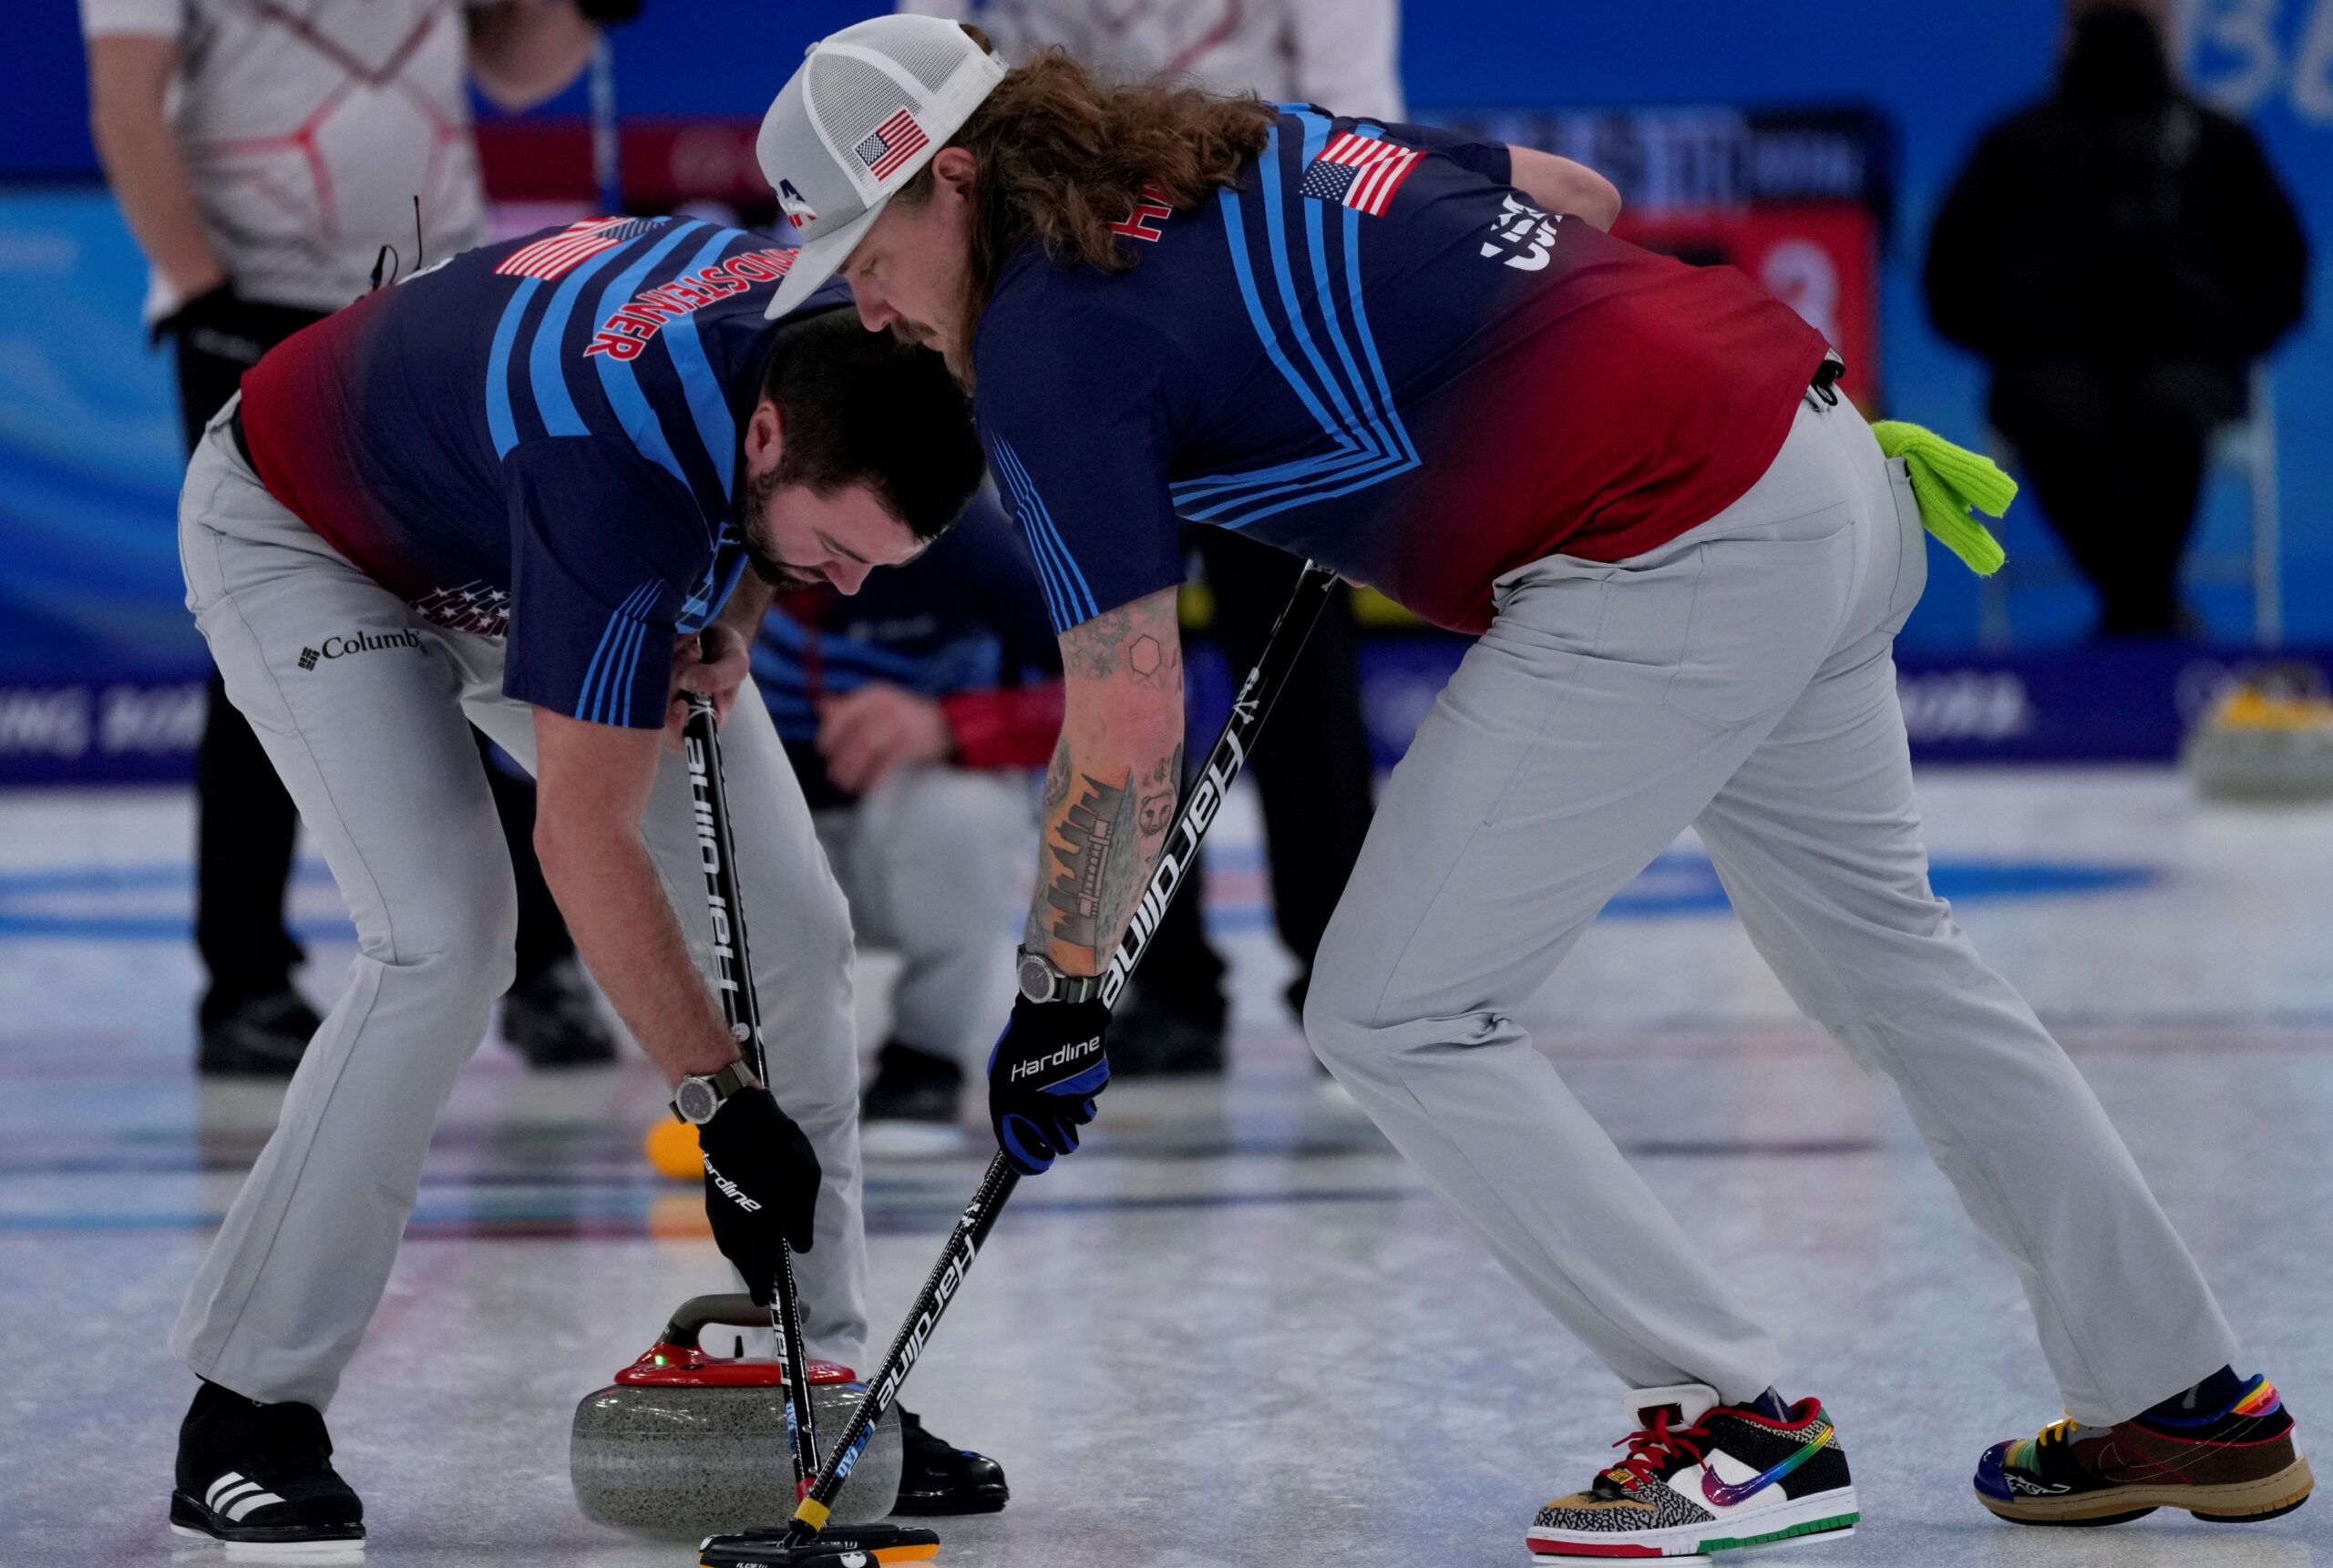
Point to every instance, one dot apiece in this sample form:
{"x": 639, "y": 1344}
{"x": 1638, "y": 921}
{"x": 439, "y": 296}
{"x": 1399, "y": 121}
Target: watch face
{"x": 695, "y": 1101}
{"x": 1036, "y": 978}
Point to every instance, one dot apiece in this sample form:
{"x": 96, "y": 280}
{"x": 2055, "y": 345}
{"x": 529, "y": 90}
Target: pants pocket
{"x": 1912, "y": 565}
{"x": 1764, "y": 614}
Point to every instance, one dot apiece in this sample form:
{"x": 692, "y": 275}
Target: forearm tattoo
{"x": 1101, "y": 837}
{"x": 1159, "y": 791}
{"x": 1092, "y": 849}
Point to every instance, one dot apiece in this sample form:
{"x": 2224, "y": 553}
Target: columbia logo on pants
{"x": 362, "y": 643}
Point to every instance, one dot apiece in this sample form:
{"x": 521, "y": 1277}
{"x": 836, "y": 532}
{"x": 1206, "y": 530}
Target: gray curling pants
{"x": 1738, "y": 680}
{"x": 375, "y": 747}
{"x": 935, "y": 862}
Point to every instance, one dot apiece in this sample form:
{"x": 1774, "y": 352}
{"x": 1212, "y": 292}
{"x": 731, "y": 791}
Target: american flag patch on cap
{"x": 1360, "y": 172}
{"x": 890, "y": 144}
{"x": 555, "y": 255}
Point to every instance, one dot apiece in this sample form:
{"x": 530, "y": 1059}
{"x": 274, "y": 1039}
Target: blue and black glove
{"x": 1047, "y": 1066}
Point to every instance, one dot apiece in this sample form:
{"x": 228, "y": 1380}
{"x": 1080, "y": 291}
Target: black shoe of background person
{"x": 937, "y": 1477}
{"x": 551, "y": 1019}
{"x": 263, "y": 1037}
{"x": 915, "y": 1106}
{"x": 260, "y": 1477}
{"x": 1154, "y": 1035}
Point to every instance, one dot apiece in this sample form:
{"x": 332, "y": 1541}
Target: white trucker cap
{"x": 865, "y": 113}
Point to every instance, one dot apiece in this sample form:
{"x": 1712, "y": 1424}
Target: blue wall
{"x": 1940, "y": 72}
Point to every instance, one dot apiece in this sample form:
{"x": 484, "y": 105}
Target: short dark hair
{"x": 863, "y": 408}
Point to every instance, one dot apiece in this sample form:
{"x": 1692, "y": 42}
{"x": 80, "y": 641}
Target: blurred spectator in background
{"x": 2119, "y": 253}
{"x": 915, "y": 712}
{"x": 1315, "y": 777}
{"x": 266, "y": 155}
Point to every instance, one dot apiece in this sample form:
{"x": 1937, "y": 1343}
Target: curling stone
{"x": 2269, "y": 738}
{"x": 683, "y": 1445}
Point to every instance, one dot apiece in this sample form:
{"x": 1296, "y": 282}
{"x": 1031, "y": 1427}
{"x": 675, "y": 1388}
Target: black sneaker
{"x": 1703, "y": 1477}
{"x": 937, "y": 1477}
{"x": 913, "y": 1106}
{"x": 259, "y": 1478}
{"x": 262, "y": 1038}
{"x": 551, "y": 1019}
{"x": 2223, "y": 1452}
{"x": 1157, "y": 1036}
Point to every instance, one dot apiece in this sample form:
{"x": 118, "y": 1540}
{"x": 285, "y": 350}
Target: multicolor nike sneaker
{"x": 1705, "y": 1477}
{"x": 2232, "y": 1462}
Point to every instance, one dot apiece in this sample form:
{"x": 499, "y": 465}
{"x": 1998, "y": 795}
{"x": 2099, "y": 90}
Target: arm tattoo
{"x": 1150, "y": 662}
{"x": 1057, "y": 778}
{"x": 1090, "y": 651}
{"x": 1092, "y": 850}
{"x": 1157, "y": 812}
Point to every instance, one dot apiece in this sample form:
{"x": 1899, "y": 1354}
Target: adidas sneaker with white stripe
{"x": 258, "y": 1479}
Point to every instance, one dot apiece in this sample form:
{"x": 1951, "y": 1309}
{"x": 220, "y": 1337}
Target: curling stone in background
{"x": 683, "y": 1445}
{"x": 672, "y": 1149}
{"x": 2269, "y": 737}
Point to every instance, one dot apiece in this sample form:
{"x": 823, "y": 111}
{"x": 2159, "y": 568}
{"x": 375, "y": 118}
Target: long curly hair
{"x": 1064, "y": 155}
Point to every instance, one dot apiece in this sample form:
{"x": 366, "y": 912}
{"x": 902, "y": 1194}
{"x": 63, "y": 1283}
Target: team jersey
{"x": 1377, "y": 353}
{"x": 961, "y": 624}
{"x": 539, "y": 440}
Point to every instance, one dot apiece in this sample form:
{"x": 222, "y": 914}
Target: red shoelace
{"x": 1651, "y": 1449}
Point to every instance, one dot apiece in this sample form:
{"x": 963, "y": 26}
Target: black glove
{"x": 761, "y": 1184}
{"x": 1047, "y": 1066}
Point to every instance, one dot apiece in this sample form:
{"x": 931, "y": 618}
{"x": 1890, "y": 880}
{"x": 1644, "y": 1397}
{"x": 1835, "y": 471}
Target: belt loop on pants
{"x": 242, "y": 443}
{"x": 1825, "y": 384}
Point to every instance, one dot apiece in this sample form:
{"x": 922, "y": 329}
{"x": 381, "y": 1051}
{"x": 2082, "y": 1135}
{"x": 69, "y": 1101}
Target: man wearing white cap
{"x": 1421, "y": 359}
{"x": 1314, "y": 782}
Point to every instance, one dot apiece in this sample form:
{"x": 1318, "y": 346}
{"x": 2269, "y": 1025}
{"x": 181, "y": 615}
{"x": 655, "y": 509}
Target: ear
{"x": 955, "y": 168}
{"x": 765, "y": 441}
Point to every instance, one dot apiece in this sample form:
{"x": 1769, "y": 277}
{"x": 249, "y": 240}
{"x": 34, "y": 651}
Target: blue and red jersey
{"x": 539, "y": 440}
{"x": 1377, "y": 353}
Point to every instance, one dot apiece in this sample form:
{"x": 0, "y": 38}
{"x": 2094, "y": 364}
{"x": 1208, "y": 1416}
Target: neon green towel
{"x": 1951, "y": 483}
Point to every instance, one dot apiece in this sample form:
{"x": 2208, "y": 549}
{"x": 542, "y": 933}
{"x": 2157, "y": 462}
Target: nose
{"x": 847, "y": 576}
{"x": 874, "y": 313}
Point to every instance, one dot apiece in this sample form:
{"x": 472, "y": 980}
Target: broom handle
{"x": 1201, "y": 803}
{"x": 733, "y": 981}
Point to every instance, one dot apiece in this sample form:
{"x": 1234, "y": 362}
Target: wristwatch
{"x": 1042, "y": 980}
{"x": 697, "y": 1097}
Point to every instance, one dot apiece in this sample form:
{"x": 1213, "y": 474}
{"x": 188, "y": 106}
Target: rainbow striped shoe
{"x": 2231, "y": 1461}
{"x": 1705, "y": 1477}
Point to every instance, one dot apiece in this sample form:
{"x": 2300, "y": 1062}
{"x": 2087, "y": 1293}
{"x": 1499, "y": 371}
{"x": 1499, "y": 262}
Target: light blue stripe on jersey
{"x": 708, "y": 404}
{"x": 1368, "y": 442}
{"x": 600, "y": 678}
{"x": 1067, "y": 594}
{"x": 544, "y": 372}
{"x": 498, "y": 419}
{"x": 1009, "y": 472}
{"x": 617, "y": 377}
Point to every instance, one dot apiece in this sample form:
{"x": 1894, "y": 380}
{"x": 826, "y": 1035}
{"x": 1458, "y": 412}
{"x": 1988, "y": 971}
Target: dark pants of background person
{"x": 2115, "y": 455}
{"x": 244, "y": 821}
{"x": 1313, "y": 775}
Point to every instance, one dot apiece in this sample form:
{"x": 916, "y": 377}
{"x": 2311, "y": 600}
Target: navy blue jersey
{"x": 1376, "y": 353}
{"x": 539, "y": 440}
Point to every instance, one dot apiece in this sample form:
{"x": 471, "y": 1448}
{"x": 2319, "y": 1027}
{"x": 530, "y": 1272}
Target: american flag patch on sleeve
{"x": 890, "y": 144}
{"x": 1360, "y": 171}
{"x": 555, "y": 255}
